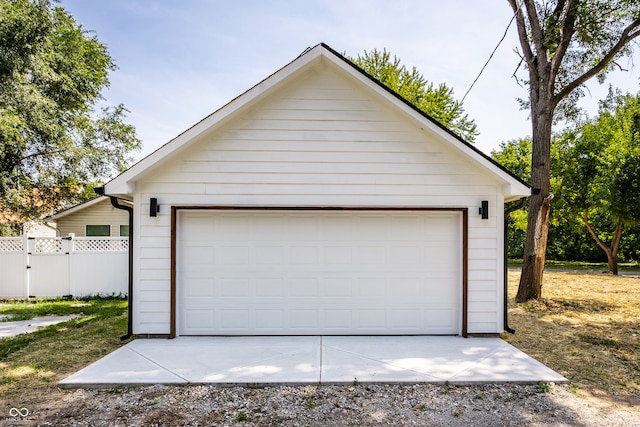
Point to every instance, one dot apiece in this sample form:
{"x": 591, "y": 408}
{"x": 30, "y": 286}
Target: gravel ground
{"x": 358, "y": 404}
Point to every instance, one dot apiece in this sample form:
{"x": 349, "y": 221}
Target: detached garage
{"x": 317, "y": 203}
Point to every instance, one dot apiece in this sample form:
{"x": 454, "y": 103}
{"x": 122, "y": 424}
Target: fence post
{"x": 70, "y": 251}
{"x": 25, "y": 262}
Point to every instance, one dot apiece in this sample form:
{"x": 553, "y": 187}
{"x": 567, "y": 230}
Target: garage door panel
{"x": 302, "y": 227}
{"x": 202, "y": 319}
{"x": 303, "y": 320}
{"x": 232, "y": 255}
{"x": 303, "y": 287}
{"x": 370, "y": 254}
{"x": 440, "y": 319}
{"x": 371, "y": 287}
{"x": 196, "y": 255}
{"x": 198, "y": 228}
{"x": 302, "y": 255}
{"x": 336, "y": 226}
{"x": 232, "y": 288}
{"x": 318, "y": 272}
{"x": 268, "y": 255}
{"x": 337, "y": 255}
{"x": 408, "y": 228}
{"x": 269, "y": 287}
{"x": 227, "y": 226}
{"x": 269, "y": 319}
{"x": 234, "y": 320}
{"x": 338, "y": 320}
{"x": 198, "y": 287}
{"x": 401, "y": 255}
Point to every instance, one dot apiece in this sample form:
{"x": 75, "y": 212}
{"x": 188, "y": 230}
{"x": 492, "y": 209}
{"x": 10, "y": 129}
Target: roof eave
{"x": 76, "y": 208}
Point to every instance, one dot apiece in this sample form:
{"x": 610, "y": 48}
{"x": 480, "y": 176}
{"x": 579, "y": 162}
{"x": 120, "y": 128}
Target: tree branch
{"x": 527, "y": 53}
{"x": 630, "y": 32}
{"x": 617, "y": 237}
{"x": 568, "y": 29}
{"x": 537, "y": 33}
{"x": 43, "y": 153}
{"x": 585, "y": 220}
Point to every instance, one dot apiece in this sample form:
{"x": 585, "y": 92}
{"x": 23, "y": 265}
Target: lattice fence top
{"x": 57, "y": 245}
{"x": 11, "y": 244}
{"x": 101, "y": 245}
{"x": 48, "y": 245}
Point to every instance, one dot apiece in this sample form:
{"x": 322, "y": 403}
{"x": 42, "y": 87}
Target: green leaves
{"x": 597, "y": 163}
{"x": 53, "y": 142}
{"x": 437, "y": 101}
{"x": 515, "y": 155}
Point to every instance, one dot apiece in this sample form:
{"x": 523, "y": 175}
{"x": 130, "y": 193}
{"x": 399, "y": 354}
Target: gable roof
{"x": 124, "y": 184}
{"x": 77, "y": 208}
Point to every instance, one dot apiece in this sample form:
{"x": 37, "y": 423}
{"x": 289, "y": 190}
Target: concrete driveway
{"x": 313, "y": 360}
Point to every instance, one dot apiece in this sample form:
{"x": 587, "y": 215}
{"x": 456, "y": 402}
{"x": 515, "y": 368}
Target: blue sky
{"x": 180, "y": 60}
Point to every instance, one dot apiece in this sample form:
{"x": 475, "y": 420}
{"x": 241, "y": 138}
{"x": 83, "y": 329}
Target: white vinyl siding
{"x": 100, "y": 213}
{"x": 320, "y": 141}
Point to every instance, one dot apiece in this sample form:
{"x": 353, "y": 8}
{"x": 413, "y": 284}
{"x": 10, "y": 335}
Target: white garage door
{"x": 283, "y": 272}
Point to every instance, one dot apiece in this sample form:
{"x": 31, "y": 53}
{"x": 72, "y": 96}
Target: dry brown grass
{"x": 587, "y": 328}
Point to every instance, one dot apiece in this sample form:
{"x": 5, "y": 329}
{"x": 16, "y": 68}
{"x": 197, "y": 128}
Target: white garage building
{"x": 317, "y": 203}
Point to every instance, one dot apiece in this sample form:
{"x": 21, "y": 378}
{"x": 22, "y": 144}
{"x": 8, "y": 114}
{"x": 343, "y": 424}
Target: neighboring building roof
{"x": 77, "y": 208}
{"x": 122, "y": 185}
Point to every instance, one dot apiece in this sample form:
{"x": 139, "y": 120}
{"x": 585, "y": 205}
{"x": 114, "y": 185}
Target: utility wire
{"x": 491, "y": 56}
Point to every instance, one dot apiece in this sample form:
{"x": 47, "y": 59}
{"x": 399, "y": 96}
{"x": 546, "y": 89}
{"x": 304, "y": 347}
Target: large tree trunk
{"x": 612, "y": 260}
{"x": 530, "y": 286}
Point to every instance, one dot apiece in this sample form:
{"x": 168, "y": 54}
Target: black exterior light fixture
{"x": 484, "y": 209}
{"x": 154, "y": 208}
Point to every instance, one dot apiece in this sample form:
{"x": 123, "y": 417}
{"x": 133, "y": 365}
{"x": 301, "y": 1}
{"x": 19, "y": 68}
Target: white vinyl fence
{"x": 60, "y": 266}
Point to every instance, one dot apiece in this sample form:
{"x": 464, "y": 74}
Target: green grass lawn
{"x": 32, "y": 364}
{"x": 633, "y": 267}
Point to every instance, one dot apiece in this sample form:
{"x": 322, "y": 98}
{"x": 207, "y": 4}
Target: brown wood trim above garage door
{"x": 174, "y": 244}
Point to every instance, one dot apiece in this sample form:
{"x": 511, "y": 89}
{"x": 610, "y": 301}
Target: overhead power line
{"x": 490, "y": 56}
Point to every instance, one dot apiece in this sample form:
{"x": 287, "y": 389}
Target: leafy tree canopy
{"x": 578, "y": 40}
{"x": 437, "y": 101}
{"x": 597, "y": 168}
{"x": 598, "y": 160}
{"x": 52, "y": 141}
{"x": 515, "y": 155}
